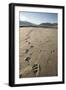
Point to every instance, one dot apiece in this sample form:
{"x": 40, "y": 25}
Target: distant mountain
{"x": 48, "y": 25}
{"x": 25, "y": 23}
{"x": 29, "y": 24}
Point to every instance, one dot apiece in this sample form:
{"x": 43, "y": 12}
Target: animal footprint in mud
{"x": 26, "y": 41}
{"x": 31, "y": 53}
{"x": 29, "y": 43}
{"x": 31, "y": 46}
{"x": 27, "y": 50}
{"x": 27, "y": 38}
{"x": 27, "y": 59}
{"x": 36, "y": 69}
{"x": 52, "y": 51}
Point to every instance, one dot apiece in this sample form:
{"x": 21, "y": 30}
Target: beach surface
{"x": 38, "y": 52}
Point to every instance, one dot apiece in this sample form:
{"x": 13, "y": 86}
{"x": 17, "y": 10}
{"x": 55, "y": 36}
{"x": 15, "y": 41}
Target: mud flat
{"x": 38, "y": 52}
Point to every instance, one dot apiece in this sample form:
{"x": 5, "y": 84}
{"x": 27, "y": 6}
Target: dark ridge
{"x": 25, "y": 23}
{"x": 43, "y": 25}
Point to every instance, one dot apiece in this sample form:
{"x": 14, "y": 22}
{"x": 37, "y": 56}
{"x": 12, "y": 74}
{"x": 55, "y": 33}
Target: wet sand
{"x": 37, "y": 46}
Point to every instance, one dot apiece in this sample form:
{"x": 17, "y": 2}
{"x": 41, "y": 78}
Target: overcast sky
{"x": 38, "y": 17}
